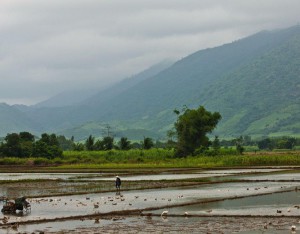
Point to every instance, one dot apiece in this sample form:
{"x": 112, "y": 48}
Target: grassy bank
{"x": 156, "y": 158}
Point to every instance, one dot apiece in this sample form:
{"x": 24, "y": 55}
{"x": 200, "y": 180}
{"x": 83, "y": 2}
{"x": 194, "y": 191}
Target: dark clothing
{"x": 21, "y": 203}
{"x": 118, "y": 183}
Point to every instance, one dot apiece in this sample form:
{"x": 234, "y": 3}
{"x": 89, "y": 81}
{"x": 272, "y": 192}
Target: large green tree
{"x": 64, "y": 143}
{"x": 89, "y": 143}
{"x": 47, "y": 146}
{"x": 108, "y": 143}
{"x": 12, "y": 145}
{"x": 191, "y": 127}
{"x": 23, "y": 144}
{"x": 147, "y": 143}
{"x": 18, "y": 145}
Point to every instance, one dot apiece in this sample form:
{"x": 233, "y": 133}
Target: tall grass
{"x": 118, "y": 156}
{"x": 164, "y": 158}
{"x": 157, "y": 158}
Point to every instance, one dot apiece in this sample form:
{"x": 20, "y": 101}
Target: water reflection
{"x": 48, "y": 176}
{"x": 160, "y": 176}
{"x": 286, "y": 202}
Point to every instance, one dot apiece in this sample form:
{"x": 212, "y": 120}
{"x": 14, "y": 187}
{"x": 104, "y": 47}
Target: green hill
{"x": 14, "y": 120}
{"x": 253, "y": 82}
{"x": 262, "y": 97}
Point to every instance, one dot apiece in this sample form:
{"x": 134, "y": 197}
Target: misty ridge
{"x": 253, "y": 82}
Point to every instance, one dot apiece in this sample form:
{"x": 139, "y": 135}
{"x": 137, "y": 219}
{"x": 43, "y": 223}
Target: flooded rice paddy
{"x": 108, "y": 176}
{"x": 192, "y": 201}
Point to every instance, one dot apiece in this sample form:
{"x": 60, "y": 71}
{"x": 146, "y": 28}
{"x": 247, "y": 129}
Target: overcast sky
{"x": 48, "y": 46}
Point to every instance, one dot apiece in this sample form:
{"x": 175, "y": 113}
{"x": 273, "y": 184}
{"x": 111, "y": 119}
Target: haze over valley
{"x": 253, "y": 82}
{"x": 72, "y": 74}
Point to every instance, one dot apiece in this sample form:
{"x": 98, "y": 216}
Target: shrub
{"x": 41, "y": 161}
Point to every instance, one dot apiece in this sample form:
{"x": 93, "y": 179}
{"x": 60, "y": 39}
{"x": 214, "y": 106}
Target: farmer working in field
{"x": 118, "y": 183}
{"x": 21, "y": 203}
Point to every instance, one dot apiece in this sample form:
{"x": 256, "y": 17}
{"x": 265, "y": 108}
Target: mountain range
{"x": 253, "y": 82}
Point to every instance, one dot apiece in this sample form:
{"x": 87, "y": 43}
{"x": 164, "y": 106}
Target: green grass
{"x": 203, "y": 162}
{"x": 156, "y": 158}
{"x": 118, "y": 156}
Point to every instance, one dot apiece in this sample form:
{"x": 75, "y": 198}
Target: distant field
{"x": 156, "y": 158}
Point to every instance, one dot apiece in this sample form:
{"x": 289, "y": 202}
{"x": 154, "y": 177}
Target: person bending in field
{"x": 118, "y": 184}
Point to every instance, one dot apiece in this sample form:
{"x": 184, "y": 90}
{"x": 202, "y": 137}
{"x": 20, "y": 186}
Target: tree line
{"x": 107, "y": 143}
{"x": 187, "y": 137}
{"x": 24, "y": 145}
{"x": 265, "y": 143}
{"x": 190, "y": 131}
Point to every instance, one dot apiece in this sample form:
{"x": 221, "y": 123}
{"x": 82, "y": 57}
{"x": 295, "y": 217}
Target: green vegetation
{"x": 253, "y": 83}
{"x": 157, "y": 158}
{"x": 23, "y": 145}
{"x": 23, "y": 150}
{"x": 133, "y": 156}
{"x": 124, "y": 143}
{"x": 275, "y": 72}
{"x": 191, "y": 129}
{"x": 147, "y": 143}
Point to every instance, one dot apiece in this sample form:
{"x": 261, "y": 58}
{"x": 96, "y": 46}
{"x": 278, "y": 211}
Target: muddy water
{"x": 263, "y": 205}
{"x": 107, "y": 176}
{"x": 66, "y": 226}
{"x": 48, "y": 176}
{"x": 243, "y": 171}
{"x": 163, "y": 225}
{"x": 195, "y": 174}
{"x": 78, "y": 205}
{"x": 164, "y": 177}
{"x": 282, "y": 176}
{"x": 157, "y": 200}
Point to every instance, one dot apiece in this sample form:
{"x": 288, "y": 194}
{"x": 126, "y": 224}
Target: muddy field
{"x": 252, "y": 200}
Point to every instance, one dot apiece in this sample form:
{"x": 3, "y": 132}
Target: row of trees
{"x": 107, "y": 143}
{"x": 188, "y": 137}
{"x": 190, "y": 131}
{"x": 278, "y": 143}
{"x": 23, "y": 145}
{"x": 266, "y": 143}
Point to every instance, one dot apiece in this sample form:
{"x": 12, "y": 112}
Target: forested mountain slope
{"x": 14, "y": 120}
{"x": 264, "y": 95}
{"x": 253, "y": 82}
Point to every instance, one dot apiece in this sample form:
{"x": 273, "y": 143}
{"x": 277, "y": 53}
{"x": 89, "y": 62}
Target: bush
{"x": 12, "y": 161}
{"x": 58, "y": 161}
{"x": 41, "y": 161}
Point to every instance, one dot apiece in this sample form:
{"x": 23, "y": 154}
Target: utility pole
{"x": 107, "y": 131}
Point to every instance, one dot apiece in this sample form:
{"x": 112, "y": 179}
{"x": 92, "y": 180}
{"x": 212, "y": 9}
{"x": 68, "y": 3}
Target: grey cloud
{"x": 50, "y": 46}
